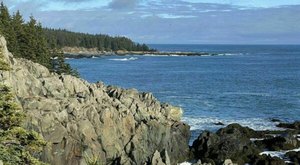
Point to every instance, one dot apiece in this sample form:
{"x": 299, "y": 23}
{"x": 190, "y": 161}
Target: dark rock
{"x": 219, "y": 123}
{"x": 232, "y": 142}
{"x": 295, "y": 125}
{"x": 275, "y": 120}
{"x": 237, "y": 130}
{"x": 203, "y": 143}
{"x": 293, "y": 156}
{"x": 268, "y": 160}
{"x": 285, "y": 141}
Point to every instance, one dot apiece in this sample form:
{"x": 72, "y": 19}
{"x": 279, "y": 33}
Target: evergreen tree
{"x": 3, "y": 65}
{"x": 60, "y": 66}
{"x": 28, "y": 40}
{"x": 17, "y": 145}
{"x": 64, "y": 38}
{"x": 18, "y": 26}
{"x": 6, "y": 27}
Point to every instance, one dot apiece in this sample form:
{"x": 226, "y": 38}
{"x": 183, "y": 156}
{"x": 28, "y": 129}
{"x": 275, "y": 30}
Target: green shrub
{"x": 17, "y": 145}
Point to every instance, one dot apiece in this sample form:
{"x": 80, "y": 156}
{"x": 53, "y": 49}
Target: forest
{"x": 63, "y": 38}
{"x": 29, "y": 40}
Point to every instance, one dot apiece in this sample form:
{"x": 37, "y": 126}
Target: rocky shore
{"x": 83, "y": 121}
{"x": 75, "y": 52}
{"x": 244, "y": 145}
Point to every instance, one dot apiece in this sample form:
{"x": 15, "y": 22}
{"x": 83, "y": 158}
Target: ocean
{"x": 245, "y": 84}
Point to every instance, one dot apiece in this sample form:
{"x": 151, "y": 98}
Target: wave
{"x": 124, "y": 59}
{"x": 157, "y": 55}
{"x": 201, "y": 55}
{"x": 230, "y": 54}
{"x": 208, "y": 123}
{"x": 185, "y": 163}
{"x": 279, "y": 154}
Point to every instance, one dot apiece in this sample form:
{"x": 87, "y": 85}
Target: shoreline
{"x": 141, "y": 53}
{"x": 72, "y": 99}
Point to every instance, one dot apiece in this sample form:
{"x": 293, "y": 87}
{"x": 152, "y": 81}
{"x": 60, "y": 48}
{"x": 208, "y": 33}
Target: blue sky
{"x": 173, "y": 21}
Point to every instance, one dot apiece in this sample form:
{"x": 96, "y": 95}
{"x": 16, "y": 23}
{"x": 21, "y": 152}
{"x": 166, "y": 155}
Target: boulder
{"x": 232, "y": 142}
{"x": 293, "y": 156}
{"x": 295, "y": 125}
{"x": 268, "y": 160}
{"x": 228, "y": 162}
{"x": 286, "y": 141}
{"x": 157, "y": 159}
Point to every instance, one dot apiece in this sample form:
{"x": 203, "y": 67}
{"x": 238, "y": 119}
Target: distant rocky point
{"x": 80, "y": 52}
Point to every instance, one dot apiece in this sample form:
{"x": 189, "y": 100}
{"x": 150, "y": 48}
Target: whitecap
{"x": 155, "y": 55}
{"x": 230, "y": 54}
{"x": 257, "y": 139}
{"x": 279, "y": 154}
{"x": 124, "y": 59}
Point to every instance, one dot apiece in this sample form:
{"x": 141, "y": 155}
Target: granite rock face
{"x": 79, "y": 119}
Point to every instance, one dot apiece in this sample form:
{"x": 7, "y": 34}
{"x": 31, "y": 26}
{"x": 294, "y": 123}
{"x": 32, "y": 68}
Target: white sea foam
{"x": 225, "y": 54}
{"x": 257, "y": 139}
{"x": 185, "y": 163}
{"x": 200, "y": 55}
{"x": 124, "y": 59}
{"x": 230, "y": 54}
{"x": 154, "y": 55}
{"x": 207, "y": 123}
{"x": 279, "y": 154}
{"x": 158, "y": 55}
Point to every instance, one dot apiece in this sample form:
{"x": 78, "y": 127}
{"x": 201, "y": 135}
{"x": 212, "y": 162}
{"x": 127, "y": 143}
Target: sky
{"x": 172, "y": 21}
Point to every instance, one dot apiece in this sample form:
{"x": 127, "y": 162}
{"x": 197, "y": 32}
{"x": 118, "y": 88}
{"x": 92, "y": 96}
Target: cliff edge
{"x": 83, "y": 121}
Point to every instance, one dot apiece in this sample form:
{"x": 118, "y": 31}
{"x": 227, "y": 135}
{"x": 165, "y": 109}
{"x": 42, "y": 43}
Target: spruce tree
{"x": 6, "y": 27}
{"x": 18, "y": 27}
{"x": 17, "y": 145}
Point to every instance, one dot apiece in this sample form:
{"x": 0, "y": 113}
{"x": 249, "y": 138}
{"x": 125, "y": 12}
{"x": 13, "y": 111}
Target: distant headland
{"x": 81, "y": 52}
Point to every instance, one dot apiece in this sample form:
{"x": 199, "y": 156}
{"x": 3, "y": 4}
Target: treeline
{"x": 28, "y": 40}
{"x": 64, "y": 38}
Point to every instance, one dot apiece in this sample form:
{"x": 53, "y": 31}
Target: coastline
{"x": 67, "y": 110}
{"x": 90, "y": 54}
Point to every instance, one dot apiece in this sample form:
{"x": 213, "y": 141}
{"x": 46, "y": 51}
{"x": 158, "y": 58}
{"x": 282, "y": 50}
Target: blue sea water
{"x": 246, "y": 84}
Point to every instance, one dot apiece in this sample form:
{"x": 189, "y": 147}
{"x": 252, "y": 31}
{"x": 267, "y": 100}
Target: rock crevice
{"x": 79, "y": 119}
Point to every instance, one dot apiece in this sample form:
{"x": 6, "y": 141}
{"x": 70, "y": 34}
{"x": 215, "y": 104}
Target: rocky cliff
{"x": 83, "y": 121}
